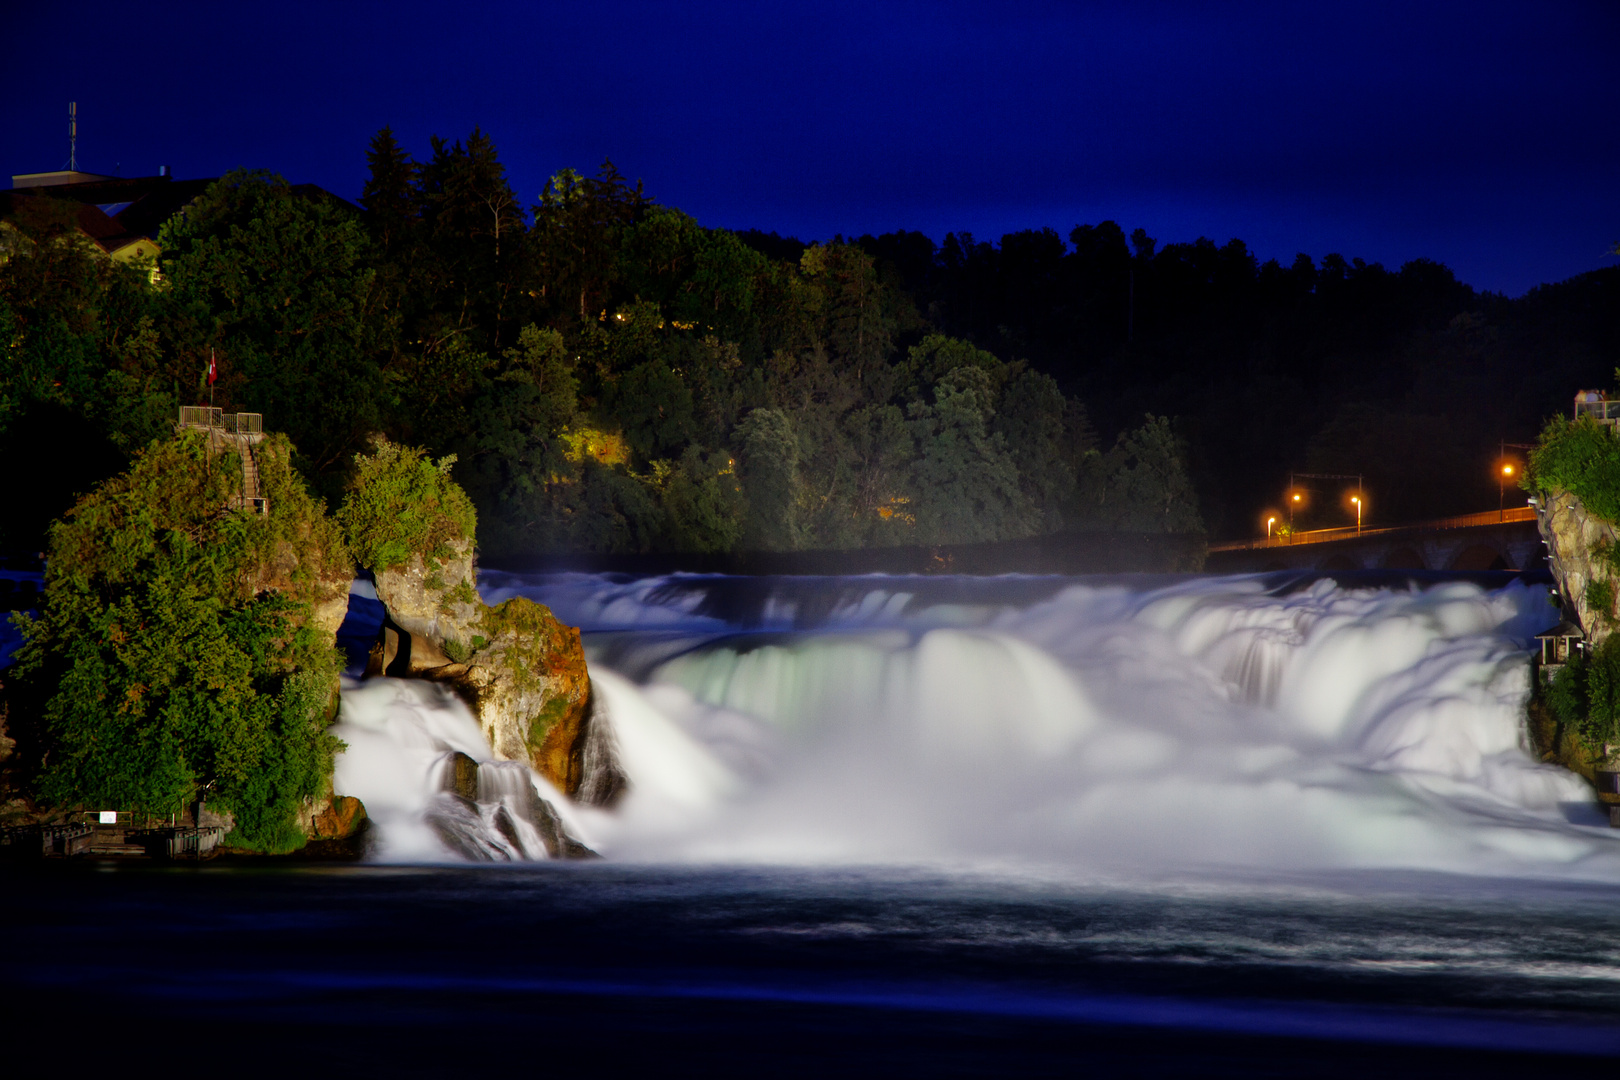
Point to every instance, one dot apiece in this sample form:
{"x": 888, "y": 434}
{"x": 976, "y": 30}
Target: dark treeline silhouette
{"x": 612, "y": 377}
{"x": 1409, "y": 377}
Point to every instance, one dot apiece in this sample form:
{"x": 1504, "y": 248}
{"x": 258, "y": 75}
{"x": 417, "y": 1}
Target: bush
{"x": 1584, "y": 696}
{"x": 402, "y": 502}
{"x": 1581, "y": 457}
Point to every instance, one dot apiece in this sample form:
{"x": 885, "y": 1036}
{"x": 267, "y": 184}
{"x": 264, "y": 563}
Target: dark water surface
{"x": 600, "y": 969}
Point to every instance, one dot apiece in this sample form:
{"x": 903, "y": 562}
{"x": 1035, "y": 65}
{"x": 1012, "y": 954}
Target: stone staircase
{"x": 252, "y": 497}
{"x": 239, "y": 433}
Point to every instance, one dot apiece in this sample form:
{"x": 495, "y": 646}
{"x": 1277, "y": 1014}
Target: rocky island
{"x": 184, "y": 671}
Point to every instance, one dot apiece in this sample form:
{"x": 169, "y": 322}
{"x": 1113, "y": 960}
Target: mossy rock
{"x": 187, "y": 645}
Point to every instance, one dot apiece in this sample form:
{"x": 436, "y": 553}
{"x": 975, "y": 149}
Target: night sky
{"x": 1481, "y": 135}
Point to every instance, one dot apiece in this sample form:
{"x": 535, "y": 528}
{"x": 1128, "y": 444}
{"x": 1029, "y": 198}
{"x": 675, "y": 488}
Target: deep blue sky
{"x": 1478, "y": 134}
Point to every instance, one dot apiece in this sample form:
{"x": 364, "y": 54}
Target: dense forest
{"x": 613, "y": 377}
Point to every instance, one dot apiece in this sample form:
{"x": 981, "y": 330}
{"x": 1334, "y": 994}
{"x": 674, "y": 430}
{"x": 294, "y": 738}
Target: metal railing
{"x": 244, "y": 430}
{"x": 210, "y": 418}
{"x": 201, "y": 416}
{"x": 1604, "y": 412}
{"x": 244, "y": 423}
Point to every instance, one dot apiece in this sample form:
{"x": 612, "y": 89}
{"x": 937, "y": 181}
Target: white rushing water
{"x": 401, "y": 736}
{"x": 1055, "y": 725}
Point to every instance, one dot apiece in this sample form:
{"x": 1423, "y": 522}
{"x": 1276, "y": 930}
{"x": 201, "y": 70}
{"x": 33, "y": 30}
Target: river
{"x": 955, "y": 825}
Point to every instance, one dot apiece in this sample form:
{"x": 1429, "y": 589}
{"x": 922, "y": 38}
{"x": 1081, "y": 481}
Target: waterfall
{"x": 1118, "y": 726}
{"x": 433, "y": 787}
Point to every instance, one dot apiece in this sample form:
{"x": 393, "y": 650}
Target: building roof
{"x": 54, "y": 179}
{"x": 119, "y": 211}
{"x": 1562, "y": 630}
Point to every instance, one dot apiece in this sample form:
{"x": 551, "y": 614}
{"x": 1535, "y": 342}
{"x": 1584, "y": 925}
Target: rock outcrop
{"x": 343, "y": 816}
{"x": 1578, "y": 547}
{"x": 520, "y": 670}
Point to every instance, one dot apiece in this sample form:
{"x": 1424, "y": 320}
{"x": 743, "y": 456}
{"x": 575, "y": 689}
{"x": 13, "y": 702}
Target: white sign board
{"x": 109, "y": 817}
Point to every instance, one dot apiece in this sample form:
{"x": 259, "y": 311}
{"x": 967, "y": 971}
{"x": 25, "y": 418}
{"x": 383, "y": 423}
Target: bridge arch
{"x": 1340, "y": 562}
{"x": 1479, "y": 557}
{"x": 1404, "y": 558}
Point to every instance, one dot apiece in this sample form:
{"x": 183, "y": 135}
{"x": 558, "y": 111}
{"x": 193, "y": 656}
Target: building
{"x": 123, "y": 216}
{"x": 120, "y": 216}
{"x": 1559, "y": 645}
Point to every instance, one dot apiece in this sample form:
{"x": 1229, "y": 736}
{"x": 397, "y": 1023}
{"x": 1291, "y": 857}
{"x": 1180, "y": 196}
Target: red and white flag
{"x": 213, "y": 369}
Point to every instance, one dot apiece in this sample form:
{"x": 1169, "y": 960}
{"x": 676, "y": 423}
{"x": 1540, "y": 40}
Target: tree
{"x": 770, "y": 474}
{"x": 579, "y": 227}
{"x": 81, "y": 364}
{"x": 277, "y": 282}
{"x": 1141, "y": 484}
{"x": 1032, "y": 423}
{"x": 965, "y": 484}
{"x": 704, "y": 502}
{"x": 475, "y": 230}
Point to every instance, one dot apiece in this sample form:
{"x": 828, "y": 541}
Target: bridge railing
{"x": 1350, "y": 532}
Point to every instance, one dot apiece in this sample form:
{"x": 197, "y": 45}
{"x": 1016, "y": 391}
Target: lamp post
{"x": 1501, "y": 485}
{"x": 1357, "y": 500}
{"x": 1270, "y": 521}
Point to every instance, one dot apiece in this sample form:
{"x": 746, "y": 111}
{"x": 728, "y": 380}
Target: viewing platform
{"x": 238, "y": 432}
{"x": 127, "y": 838}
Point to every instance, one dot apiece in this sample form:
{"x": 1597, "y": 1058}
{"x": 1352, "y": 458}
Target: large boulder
{"x": 519, "y": 669}
{"x": 434, "y": 597}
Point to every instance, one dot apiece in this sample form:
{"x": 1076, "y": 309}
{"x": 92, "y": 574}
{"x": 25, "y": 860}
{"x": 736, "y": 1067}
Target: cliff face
{"x": 1577, "y": 541}
{"x": 520, "y": 670}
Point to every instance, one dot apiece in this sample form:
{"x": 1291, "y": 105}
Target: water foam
{"x": 1048, "y": 723}
{"x": 401, "y": 735}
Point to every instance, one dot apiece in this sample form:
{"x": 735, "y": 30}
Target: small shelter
{"x": 1558, "y": 645}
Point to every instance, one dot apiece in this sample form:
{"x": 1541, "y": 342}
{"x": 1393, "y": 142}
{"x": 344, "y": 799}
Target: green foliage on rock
{"x": 1581, "y": 457}
{"x": 1600, "y": 599}
{"x": 541, "y": 724}
{"x": 1584, "y": 696}
{"x": 177, "y": 652}
{"x": 401, "y": 503}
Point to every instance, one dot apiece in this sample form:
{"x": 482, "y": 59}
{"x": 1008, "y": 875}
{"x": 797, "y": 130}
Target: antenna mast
{"x": 73, "y": 136}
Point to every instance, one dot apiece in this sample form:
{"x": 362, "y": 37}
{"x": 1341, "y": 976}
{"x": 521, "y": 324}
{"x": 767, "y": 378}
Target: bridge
{"x": 1494, "y": 540}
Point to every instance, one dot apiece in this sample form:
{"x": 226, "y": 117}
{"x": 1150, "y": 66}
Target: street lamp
{"x": 1270, "y": 521}
{"x": 1357, "y": 500}
{"x": 1501, "y": 484}
{"x": 1293, "y": 503}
